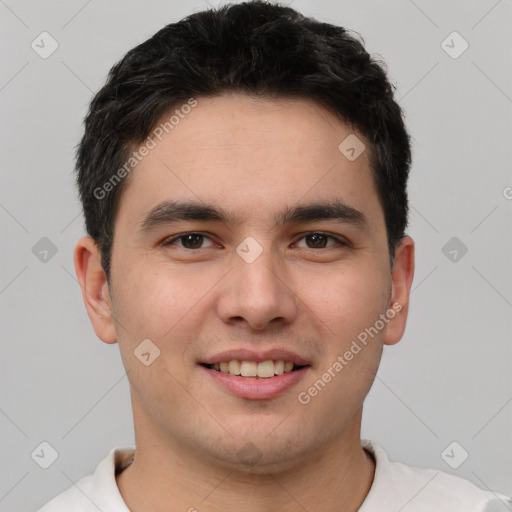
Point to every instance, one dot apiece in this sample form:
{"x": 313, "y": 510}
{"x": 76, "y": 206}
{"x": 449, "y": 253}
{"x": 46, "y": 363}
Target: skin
{"x": 252, "y": 157}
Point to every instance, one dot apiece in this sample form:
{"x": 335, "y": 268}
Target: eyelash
{"x": 340, "y": 241}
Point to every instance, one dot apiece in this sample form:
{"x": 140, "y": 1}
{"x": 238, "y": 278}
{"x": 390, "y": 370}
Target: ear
{"x": 401, "y": 281}
{"x": 95, "y": 292}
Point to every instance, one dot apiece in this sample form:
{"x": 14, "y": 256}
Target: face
{"x": 246, "y": 235}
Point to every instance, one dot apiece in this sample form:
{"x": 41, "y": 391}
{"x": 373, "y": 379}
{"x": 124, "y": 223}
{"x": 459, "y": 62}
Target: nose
{"x": 259, "y": 294}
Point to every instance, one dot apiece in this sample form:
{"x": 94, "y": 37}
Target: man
{"x": 243, "y": 177}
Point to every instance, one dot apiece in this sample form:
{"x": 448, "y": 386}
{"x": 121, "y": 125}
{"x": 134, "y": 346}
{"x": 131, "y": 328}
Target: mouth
{"x": 254, "y": 369}
{"x": 256, "y": 376}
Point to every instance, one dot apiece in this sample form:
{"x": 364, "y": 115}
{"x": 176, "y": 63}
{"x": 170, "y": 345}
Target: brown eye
{"x": 192, "y": 241}
{"x": 319, "y": 241}
{"x": 188, "y": 241}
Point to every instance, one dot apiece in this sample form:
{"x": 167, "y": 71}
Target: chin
{"x": 259, "y": 455}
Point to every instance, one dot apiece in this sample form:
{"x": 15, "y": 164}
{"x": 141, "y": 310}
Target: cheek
{"x": 152, "y": 302}
{"x": 165, "y": 306}
{"x": 350, "y": 300}
{"x": 348, "y": 305}
{"x": 158, "y": 306}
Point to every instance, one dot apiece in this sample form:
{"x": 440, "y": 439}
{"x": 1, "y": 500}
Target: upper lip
{"x": 275, "y": 354}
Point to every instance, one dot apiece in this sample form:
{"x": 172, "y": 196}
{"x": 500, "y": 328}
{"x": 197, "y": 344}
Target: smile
{"x": 251, "y": 380}
{"x": 262, "y": 370}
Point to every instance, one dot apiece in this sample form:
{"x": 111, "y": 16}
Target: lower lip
{"x": 257, "y": 389}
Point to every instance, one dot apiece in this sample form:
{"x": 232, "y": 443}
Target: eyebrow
{"x": 169, "y": 212}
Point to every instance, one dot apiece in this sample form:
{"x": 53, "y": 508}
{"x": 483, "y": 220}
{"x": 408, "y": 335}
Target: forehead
{"x": 250, "y": 153}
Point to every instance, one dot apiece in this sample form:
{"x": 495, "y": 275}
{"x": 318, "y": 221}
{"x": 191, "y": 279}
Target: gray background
{"x": 448, "y": 380}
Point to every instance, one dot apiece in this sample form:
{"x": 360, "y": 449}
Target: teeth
{"x": 279, "y": 367}
{"x": 248, "y": 369}
{"x": 263, "y": 370}
{"x": 234, "y": 367}
{"x": 266, "y": 369}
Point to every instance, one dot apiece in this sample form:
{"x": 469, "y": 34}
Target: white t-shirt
{"x": 396, "y": 486}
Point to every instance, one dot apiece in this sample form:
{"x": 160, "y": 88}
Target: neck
{"x": 165, "y": 476}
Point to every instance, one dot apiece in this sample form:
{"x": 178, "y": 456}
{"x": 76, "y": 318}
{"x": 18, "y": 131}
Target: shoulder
{"x": 399, "y": 486}
{"x": 95, "y": 492}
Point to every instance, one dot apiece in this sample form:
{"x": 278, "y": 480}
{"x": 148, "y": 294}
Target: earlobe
{"x": 94, "y": 286}
{"x": 402, "y": 276}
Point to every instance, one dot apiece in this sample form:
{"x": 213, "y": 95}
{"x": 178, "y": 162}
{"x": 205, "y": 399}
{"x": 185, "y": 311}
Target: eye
{"x": 192, "y": 240}
{"x": 319, "y": 240}
{"x": 188, "y": 241}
